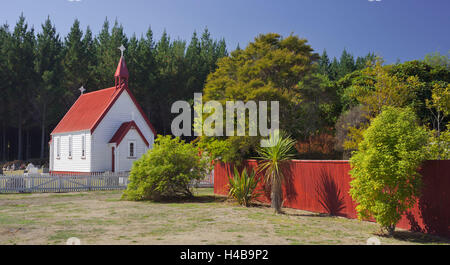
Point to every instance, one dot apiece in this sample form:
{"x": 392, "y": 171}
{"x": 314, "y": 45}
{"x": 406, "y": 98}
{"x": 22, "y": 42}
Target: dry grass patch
{"x": 102, "y": 218}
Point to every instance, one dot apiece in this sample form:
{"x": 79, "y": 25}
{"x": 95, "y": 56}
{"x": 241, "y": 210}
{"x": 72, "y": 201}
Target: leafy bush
{"x": 166, "y": 171}
{"x": 384, "y": 174}
{"x": 439, "y": 145}
{"x": 217, "y": 149}
{"x": 242, "y": 186}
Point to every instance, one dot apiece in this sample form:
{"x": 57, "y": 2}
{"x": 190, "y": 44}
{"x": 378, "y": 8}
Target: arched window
{"x": 132, "y": 149}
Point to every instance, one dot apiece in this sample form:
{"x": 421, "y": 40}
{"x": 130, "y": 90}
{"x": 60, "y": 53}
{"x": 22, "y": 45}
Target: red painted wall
{"x": 322, "y": 186}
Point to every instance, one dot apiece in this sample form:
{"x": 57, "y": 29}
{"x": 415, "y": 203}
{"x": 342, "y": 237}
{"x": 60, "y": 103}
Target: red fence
{"x": 322, "y": 186}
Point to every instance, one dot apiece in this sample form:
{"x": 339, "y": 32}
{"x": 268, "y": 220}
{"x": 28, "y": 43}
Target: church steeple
{"x": 121, "y": 75}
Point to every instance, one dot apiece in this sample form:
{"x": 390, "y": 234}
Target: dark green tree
{"x": 165, "y": 71}
{"x": 90, "y": 60}
{"x": 334, "y": 70}
{"x": 5, "y": 77}
{"x": 20, "y": 67}
{"x": 361, "y": 61}
{"x": 320, "y": 105}
{"x": 108, "y": 52}
{"x": 49, "y": 71}
{"x": 220, "y": 51}
{"x": 193, "y": 63}
{"x": 207, "y": 53}
{"x": 346, "y": 64}
{"x": 146, "y": 72}
{"x": 428, "y": 75}
{"x": 76, "y": 65}
{"x": 324, "y": 64}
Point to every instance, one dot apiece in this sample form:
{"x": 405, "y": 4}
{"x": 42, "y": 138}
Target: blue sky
{"x": 395, "y": 29}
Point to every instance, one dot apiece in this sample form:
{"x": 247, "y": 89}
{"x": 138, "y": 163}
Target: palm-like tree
{"x": 274, "y": 162}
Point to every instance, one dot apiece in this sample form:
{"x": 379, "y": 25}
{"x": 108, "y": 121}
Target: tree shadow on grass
{"x": 417, "y": 237}
{"x": 284, "y": 212}
{"x": 206, "y": 199}
{"x": 193, "y": 199}
{"x": 309, "y": 214}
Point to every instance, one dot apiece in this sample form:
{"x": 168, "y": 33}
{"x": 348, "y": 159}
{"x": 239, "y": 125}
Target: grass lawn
{"x": 102, "y": 218}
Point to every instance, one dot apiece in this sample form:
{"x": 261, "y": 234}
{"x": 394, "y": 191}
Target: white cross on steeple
{"x": 122, "y": 49}
{"x": 82, "y": 89}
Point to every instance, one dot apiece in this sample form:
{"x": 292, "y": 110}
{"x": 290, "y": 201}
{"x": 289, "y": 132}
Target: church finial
{"x": 121, "y": 75}
{"x": 122, "y": 49}
{"x": 82, "y": 89}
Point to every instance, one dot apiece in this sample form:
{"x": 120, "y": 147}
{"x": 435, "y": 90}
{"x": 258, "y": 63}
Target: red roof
{"x": 90, "y": 108}
{"x": 123, "y": 130}
{"x": 86, "y": 111}
{"x": 122, "y": 70}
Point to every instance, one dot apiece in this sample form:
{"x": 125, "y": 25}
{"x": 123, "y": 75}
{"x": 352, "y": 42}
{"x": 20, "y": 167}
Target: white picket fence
{"x": 207, "y": 182}
{"x": 62, "y": 182}
{"x": 29, "y": 183}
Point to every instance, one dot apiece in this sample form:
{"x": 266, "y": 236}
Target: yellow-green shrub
{"x": 384, "y": 174}
{"x": 166, "y": 171}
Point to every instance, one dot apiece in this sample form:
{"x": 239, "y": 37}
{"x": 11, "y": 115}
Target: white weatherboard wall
{"x": 77, "y": 163}
{"x": 123, "y": 161}
{"x": 123, "y": 110}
